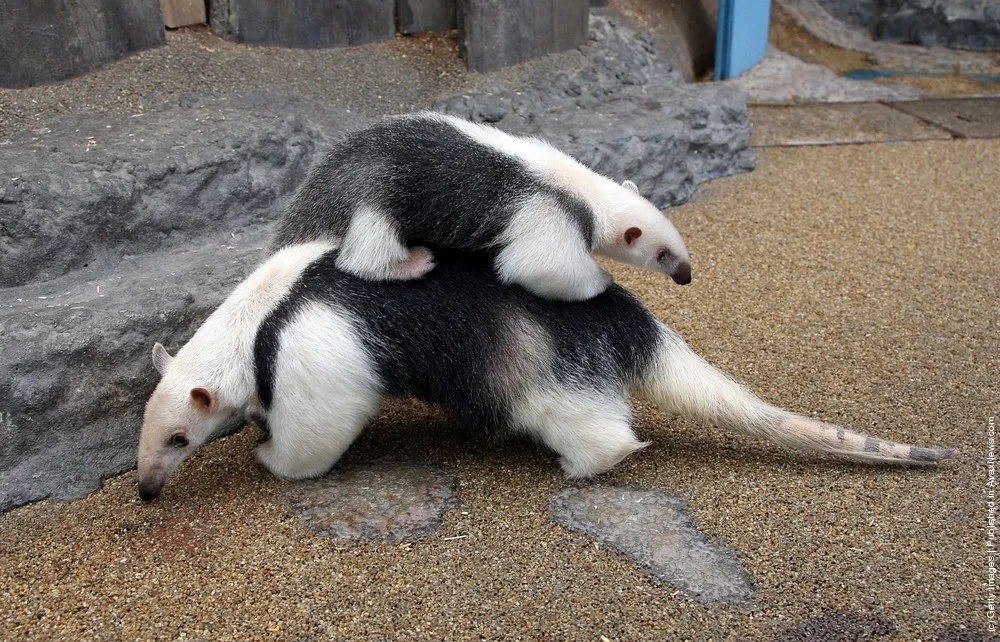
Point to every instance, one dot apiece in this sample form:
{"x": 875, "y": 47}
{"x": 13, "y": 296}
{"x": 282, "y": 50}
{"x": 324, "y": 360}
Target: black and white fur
{"x": 387, "y": 191}
{"x": 315, "y": 350}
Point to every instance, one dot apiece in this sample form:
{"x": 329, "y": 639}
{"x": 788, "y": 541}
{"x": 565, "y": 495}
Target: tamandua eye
{"x": 662, "y": 255}
{"x": 178, "y": 440}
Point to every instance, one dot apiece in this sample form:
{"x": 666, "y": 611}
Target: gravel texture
{"x": 857, "y": 282}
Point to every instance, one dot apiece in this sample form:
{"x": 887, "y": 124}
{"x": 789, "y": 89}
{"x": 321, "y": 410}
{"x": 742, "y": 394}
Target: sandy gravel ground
{"x": 857, "y": 282}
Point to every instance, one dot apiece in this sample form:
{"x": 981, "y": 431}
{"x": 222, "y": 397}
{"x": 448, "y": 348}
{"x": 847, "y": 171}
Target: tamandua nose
{"x": 149, "y": 492}
{"x": 682, "y": 273}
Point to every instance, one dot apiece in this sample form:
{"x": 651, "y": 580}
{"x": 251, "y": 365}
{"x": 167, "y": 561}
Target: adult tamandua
{"x": 315, "y": 350}
{"x": 386, "y": 191}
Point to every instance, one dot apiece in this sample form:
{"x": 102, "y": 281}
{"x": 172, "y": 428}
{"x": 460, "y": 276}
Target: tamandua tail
{"x": 680, "y": 381}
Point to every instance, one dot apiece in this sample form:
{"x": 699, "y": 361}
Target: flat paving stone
{"x": 653, "y": 529}
{"x": 784, "y": 79}
{"x": 836, "y": 123}
{"x": 968, "y": 117}
{"x": 386, "y": 501}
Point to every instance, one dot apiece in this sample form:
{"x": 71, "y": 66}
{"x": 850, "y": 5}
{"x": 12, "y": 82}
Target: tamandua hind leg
{"x": 591, "y": 433}
{"x": 373, "y": 250}
{"x": 301, "y": 446}
{"x": 561, "y": 271}
{"x": 325, "y": 392}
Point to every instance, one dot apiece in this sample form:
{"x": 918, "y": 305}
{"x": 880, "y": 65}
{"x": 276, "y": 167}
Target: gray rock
{"x": 492, "y": 35}
{"x": 783, "y": 78}
{"x": 417, "y": 16}
{"x": 304, "y": 24}
{"x": 860, "y": 14}
{"x": 959, "y": 24}
{"x": 381, "y": 502}
{"x": 667, "y": 141}
{"x": 88, "y": 188}
{"x": 115, "y": 234}
{"x": 939, "y": 60}
{"x": 166, "y": 211}
{"x": 77, "y": 367}
{"x": 653, "y": 529}
{"x": 45, "y": 41}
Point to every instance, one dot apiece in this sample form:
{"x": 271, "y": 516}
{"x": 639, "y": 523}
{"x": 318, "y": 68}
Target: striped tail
{"x": 680, "y": 381}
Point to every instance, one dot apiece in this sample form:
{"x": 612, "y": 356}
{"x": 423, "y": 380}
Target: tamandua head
{"x": 646, "y": 238}
{"x": 180, "y": 416}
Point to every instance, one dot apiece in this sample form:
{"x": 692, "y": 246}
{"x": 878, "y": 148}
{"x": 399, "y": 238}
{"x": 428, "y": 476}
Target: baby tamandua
{"x": 386, "y": 191}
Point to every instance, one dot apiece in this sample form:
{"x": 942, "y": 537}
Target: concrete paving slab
{"x": 653, "y": 529}
{"x": 969, "y": 117}
{"x": 783, "y": 78}
{"x": 836, "y": 123}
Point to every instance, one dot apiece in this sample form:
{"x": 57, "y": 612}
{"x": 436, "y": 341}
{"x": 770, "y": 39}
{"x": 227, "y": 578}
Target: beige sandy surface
{"x": 857, "y": 282}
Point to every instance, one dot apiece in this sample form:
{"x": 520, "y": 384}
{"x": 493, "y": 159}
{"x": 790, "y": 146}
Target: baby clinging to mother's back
{"x": 386, "y": 191}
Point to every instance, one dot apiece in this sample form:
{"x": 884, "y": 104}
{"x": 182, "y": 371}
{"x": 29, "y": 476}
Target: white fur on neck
{"x": 220, "y": 354}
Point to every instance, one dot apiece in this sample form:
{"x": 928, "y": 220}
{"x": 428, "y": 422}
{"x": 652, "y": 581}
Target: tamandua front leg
{"x": 373, "y": 250}
{"x": 544, "y": 252}
{"x": 563, "y": 271}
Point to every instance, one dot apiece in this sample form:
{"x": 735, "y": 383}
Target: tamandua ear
{"x": 161, "y": 358}
{"x": 630, "y": 185}
{"x": 202, "y": 399}
{"x": 631, "y": 234}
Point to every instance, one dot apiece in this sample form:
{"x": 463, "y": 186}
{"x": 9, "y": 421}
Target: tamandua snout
{"x": 314, "y": 350}
{"x": 406, "y": 182}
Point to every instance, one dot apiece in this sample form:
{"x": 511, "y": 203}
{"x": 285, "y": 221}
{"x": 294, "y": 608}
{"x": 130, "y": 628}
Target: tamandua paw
{"x": 419, "y": 263}
{"x": 269, "y": 457}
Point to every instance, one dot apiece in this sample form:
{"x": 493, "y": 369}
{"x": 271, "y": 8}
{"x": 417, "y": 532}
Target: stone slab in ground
{"x": 836, "y": 123}
{"x": 653, "y": 529}
{"x": 385, "y": 501}
{"x": 967, "y": 117}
